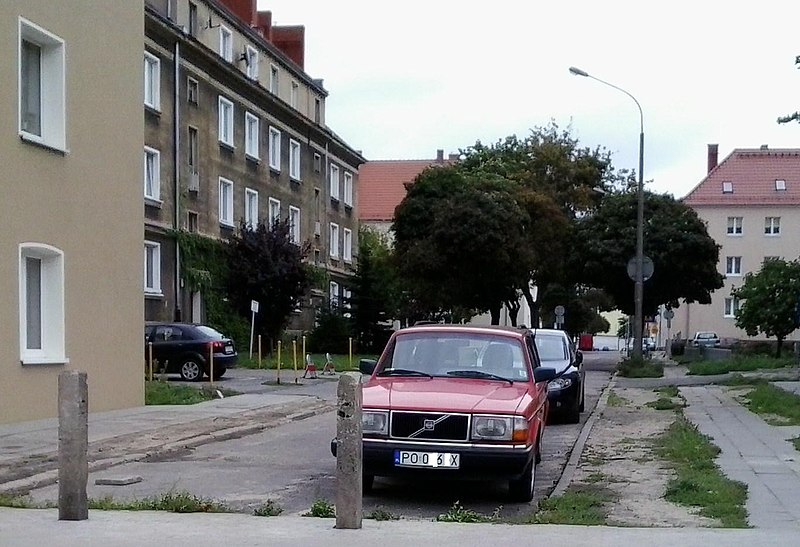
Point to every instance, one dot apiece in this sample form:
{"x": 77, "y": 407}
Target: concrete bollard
{"x": 73, "y": 445}
{"x": 349, "y": 452}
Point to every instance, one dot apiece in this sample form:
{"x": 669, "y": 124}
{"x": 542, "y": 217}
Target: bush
{"x": 640, "y": 368}
{"x": 678, "y": 347}
{"x": 332, "y": 333}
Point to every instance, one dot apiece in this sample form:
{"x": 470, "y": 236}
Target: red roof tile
{"x": 752, "y": 174}
{"x": 381, "y": 186}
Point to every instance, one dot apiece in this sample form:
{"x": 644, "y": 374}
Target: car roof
{"x": 550, "y": 332}
{"x": 516, "y": 332}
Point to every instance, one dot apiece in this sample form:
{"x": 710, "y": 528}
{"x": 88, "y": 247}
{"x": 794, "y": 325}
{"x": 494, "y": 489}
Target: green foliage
{"x": 457, "y": 513}
{"x": 164, "y": 393}
{"x": 269, "y": 508}
{"x": 616, "y": 400}
{"x": 779, "y": 407}
{"x": 577, "y": 507}
{"x": 332, "y": 333}
{"x": 174, "y": 502}
{"x": 640, "y": 368}
{"x": 16, "y": 502}
{"x": 769, "y": 299}
{"x": 321, "y": 508}
{"x": 739, "y": 363}
{"x": 375, "y": 287}
{"x": 796, "y": 442}
{"x": 665, "y": 403}
{"x": 381, "y": 514}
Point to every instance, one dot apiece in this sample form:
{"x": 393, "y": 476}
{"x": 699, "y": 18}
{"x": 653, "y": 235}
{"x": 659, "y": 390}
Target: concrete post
{"x": 73, "y": 445}
{"x": 349, "y": 452}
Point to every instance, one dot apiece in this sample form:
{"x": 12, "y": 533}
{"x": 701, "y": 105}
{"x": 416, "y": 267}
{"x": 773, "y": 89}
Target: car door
{"x": 168, "y": 342}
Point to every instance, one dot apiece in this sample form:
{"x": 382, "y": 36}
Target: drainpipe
{"x": 176, "y": 224}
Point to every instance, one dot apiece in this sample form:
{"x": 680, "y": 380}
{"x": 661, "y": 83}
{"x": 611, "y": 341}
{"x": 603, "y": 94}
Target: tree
{"x": 675, "y": 238}
{"x": 264, "y": 265}
{"x": 769, "y": 300}
{"x": 374, "y": 292}
{"x": 794, "y": 117}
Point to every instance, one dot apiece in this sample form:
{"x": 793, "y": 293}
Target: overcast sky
{"x": 408, "y": 78}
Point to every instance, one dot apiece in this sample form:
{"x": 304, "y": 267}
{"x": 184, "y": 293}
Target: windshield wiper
{"x": 403, "y": 372}
{"x": 478, "y": 374}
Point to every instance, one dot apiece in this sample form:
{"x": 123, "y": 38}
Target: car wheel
{"x": 539, "y": 449}
{"x": 583, "y": 400}
{"x": 367, "y": 481}
{"x": 192, "y": 369}
{"x": 521, "y": 489}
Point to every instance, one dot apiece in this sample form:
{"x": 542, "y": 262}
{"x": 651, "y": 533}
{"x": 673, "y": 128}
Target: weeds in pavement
{"x": 596, "y": 477}
{"x": 699, "y": 482}
{"x": 174, "y": 502}
{"x": 457, "y": 513}
{"x": 640, "y": 368}
{"x": 796, "y": 442}
{"x": 616, "y": 400}
{"x": 579, "y": 505}
{"x": 755, "y": 362}
{"x": 268, "y": 509}
{"x": 17, "y": 502}
{"x": 164, "y": 393}
{"x": 381, "y": 514}
{"x": 668, "y": 391}
{"x": 664, "y": 403}
{"x": 776, "y": 406}
{"x": 321, "y": 508}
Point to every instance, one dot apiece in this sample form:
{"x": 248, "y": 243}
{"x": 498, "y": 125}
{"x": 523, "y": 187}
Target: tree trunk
{"x": 534, "y": 306}
{"x": 513, "y": 311}
{"x": 779, "y": 347}
{"x": 495, "y": 313}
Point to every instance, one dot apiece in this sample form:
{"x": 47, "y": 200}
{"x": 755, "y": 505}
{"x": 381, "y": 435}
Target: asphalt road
{"x": 292, "y": 464}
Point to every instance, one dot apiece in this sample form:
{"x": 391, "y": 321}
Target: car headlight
{"x": 499, "y": 428}
{"x": 558, "y": 383}
{"x": 375, "y": 422}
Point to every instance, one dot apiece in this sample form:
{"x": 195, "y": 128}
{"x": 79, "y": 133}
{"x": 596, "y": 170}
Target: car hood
{"x": 561, "y": 365}
{"x": 446, "y": 394}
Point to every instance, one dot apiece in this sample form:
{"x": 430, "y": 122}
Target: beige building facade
{"x": 71, "y": 132}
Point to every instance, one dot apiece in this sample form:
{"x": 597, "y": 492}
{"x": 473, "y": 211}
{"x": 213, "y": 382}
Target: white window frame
{"x": 50, "y": 290}
{"x": 251, "y": 135}
{"x": 333, "y": 240}
{"x": 333, "y": 294}
{"x": 274, "y": 76}
{"x": 52, "y": 87}
{"x": 780, "y": 185}
{"x": 193, "y": 97}
{"x": 733, "y": 266}
{"x": 225, "y": 121}
{"x": 294, "y": 224}
{"x": 294, "y": 159}
{"x": 274, "y": 149}
{"x": 735, "y": 226}
{"x": 334, "y": 181}
{"x": 152, "y": 254}
{"x": 731, "y": 304}
{"x": 251, "y": 58}
{"x": 251, "y": 208}
{"x": 225, "y": 43}
{"x": 772, "y": 226}
{"x": 347, "y": 245}
{"x": 294, "y": 94}
{"x": 347, "y": 295}
{"x": 274, "y": 211}
{"x": 155, "y": 184}
{"x": 225, "y": 204}
{"x": 152, "y": 81}
{"x": 348, "y": 188}
{"x": 727, "y": 187}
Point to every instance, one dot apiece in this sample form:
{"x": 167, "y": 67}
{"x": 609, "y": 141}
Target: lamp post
{"x": 638, "y": 291}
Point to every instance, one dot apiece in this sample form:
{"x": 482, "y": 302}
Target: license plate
{"x": 408, "y": 458}
{"x": 228, "y": 349}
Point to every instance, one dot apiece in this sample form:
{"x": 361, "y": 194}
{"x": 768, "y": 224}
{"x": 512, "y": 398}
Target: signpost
{"x": 668, "y": 315}
{"x": 254, "y": 310}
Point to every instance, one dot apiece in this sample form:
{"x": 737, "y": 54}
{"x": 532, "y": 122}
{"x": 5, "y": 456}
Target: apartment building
{"x": 750, "y": 203}
{"x": 235, "y": 131}
{"x": 71, "y": 241}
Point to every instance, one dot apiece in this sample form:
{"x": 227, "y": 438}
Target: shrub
{"x": 332, "y": 333}
{"x": 640, "y": 368}
{"x": 678, "y": 347}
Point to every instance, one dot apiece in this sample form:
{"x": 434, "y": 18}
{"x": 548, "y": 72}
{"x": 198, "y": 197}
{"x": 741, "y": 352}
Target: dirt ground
{"x": 619, "y": 456}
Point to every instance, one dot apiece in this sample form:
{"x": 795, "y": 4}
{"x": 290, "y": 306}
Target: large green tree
{"x": 769, "y": 300}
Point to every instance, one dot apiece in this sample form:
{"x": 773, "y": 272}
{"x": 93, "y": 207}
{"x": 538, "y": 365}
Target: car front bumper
{"x": 568, "y": 397}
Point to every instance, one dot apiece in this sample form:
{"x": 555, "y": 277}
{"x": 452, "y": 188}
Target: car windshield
{"x": 210, "y": 333}
{"x": 551, "y": 348}
{"x": 467, "y": 355}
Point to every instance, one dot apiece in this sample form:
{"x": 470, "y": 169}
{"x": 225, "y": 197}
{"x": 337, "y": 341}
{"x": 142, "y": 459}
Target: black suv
{"x": 185, "y": 348}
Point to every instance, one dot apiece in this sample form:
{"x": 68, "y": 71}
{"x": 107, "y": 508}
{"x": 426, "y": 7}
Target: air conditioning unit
{"x": 317, "y": 229}
{"x": 194, "y": 182}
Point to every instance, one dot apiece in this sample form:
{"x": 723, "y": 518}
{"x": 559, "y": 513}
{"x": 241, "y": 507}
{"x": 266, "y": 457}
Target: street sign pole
{"x": 254, "y": 311}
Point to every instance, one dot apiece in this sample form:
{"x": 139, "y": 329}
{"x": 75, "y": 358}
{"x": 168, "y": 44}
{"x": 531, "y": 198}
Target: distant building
{"x": 71, "y": 239}
{"x": 750, "y": 203}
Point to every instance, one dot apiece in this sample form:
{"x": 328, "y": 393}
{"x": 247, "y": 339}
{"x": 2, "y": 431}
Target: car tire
{"x": 539, "y": 449}
{"x": 192, "y": 369}
{"x": 521, "y": 490}
{"x": 582, "y": 407}
{"x": 367, "y": 482}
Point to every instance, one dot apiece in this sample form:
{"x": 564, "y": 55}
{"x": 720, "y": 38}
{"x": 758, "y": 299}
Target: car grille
{"x": 440, "y": 426}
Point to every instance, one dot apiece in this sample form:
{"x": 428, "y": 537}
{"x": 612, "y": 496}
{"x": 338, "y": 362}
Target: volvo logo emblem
{"x": 429, "y": 425}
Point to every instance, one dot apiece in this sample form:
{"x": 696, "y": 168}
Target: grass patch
{"x": 771, "y": 402}
{"x": 699, "y": 482}
{"x": 738, "y": 364}
{"x": 164, "y": 393}
{"x": 17, "y": 502}
{"x": 668, "y": 391}
{"x": 174, "y": 502}
{"x": 341, "y": 363}
{"x": 579, "y": 506}
{"x": 381, "y": 514}
{"x": 457, "y": 513}
{"x": 596, "y": 477}
{"x": 321, "y": 509}
{"x": 616, "y": 400}
{"x": 796, "y": 442}
{"x": 268, "y": 509}
{"x": 664, "y": 403}
{"x": 640, "y": 368}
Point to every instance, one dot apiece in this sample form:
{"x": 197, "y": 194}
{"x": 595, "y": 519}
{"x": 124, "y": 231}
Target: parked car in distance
{"x": 185, "y": 349}
{"x": 705, "y": 339}
{"x": 566, "y": 392}
{"x": 456, "y": 401}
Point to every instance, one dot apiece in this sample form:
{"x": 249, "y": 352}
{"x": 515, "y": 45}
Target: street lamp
{"x": 638, "y": 291}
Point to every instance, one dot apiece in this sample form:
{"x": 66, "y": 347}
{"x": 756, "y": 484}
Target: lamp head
{"x": 578, "y": 72}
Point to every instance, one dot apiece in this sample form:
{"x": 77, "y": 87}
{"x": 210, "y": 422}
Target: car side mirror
{"x": 542, "y": 374}
{"x": 367, "y": 366}
{"x": 578, "y": 357}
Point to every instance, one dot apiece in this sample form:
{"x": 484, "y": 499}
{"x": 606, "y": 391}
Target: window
{"x": 192, "y": 19}
{"x": 41, "y": 304}
{"x": 225, "y": 202}
{"x": 192, "y": 157}
{"x": 317, "y": 110}
{"x": 334, "y": 179}
{"x": 225, "y": 43}
{"x": 152, "y": 174}
{"x": 273, "y": 79}
{"x": 727, "y": 187}
{"x": 192, "y": 91}
{"x": 734, "y": 226}
{"x": 152, "y": 268}
{"x": 274, "y": 212}
{"x": 731, "y": 305}
{"x": 41, "y": 86}
{"x": 152, "y": 80}
{"x": 772, "y": 226}
{"x": 317, "y": 259}
{"x": 317, "y": 163}
{"x": 274, "y": 149}
{"x": 346, "y": 299}
{"x": 294, "y": 159}
{"x": 192, "y": 221}
{"x": 294, "y": 225}
{"x": 780, "y": 185}
{"x": 348, "y": 189}
{"x": 733, "y": 265}
{"x": 347, "y": 243}
{"x": 251, "y": 208}
{"x": 225, "y": 121}
{"x": 334, "y": 240}
{"x": 334, "y": 294}
{"x": 251, "y": 135}
{"x": 251, "y": 58}
{"x": 293, "y": 96}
